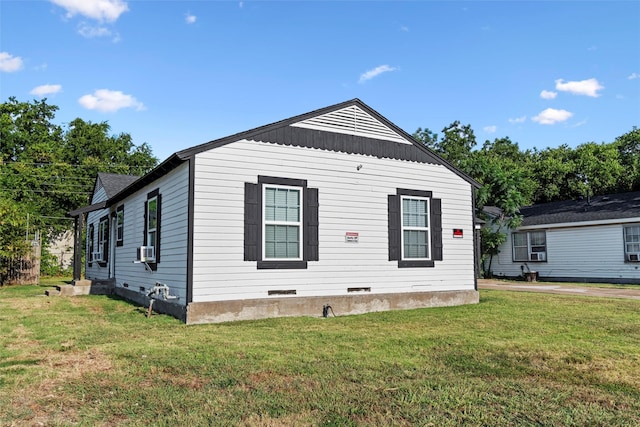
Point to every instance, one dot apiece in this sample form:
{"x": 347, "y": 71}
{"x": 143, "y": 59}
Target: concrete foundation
{"x": 227, "y": 311}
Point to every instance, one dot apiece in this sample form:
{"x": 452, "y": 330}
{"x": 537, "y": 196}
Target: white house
{"x": 589, "y": 240}
{"x": 337, "y": 207}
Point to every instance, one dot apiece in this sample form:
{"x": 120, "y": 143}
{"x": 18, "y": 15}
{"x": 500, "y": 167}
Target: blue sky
{"x": 175, "y": 74}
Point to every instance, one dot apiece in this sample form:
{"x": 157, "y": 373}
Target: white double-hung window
{"x": 282, "y": 233}
{"x": 529, "y": 246}
{"x": 632, "y": 243}
{"x": 415, "y": 228}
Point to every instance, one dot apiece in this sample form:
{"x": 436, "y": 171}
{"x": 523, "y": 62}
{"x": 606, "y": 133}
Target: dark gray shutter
{"x": 436, "y": 229}
{"x": 251, "y": 221}
{"x": 393, "y": 212}
{"x": 311, "y": 252}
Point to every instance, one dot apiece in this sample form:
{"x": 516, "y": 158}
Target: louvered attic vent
{"x": 353, "y": 121}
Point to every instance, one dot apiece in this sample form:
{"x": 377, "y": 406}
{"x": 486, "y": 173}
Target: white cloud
{"x": 547, "y": 94}
{"x": 588, "y": 87}
{"x": 551, "y": 116}
{"x": 634, "y": 76}
{"x": 580, "y": 123}
{"x": 100, "y": 10}
{"x": 490, "y": 129}
{"x": 106, "y": 100}
{"x": 90, "y": 31}
{"x": 404, "y": 28}
{"x": 375, "y": 72}
{"x": 190, "y": 19}
{"x": 44, "y": 90}
{"x": 518, "y": 119}
{"x": 10, "y": 63}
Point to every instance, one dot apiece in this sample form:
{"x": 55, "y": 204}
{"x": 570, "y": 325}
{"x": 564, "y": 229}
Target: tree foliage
{"x": 512, "y": 178}
{"x": 46, "y": 170}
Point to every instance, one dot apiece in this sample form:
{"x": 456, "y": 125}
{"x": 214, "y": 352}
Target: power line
{"x": 44, "y": 191}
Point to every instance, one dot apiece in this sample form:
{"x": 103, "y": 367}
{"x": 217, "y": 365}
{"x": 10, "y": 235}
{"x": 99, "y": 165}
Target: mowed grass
{"x": 513, "y": 359}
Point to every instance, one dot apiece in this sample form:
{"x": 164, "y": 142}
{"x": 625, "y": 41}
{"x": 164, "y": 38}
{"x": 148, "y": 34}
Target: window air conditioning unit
{"x": 633, "y": 257}
{"x": 96, "y": 256}
{"x": 538, "y": 256}
{"x": 147, "y": 254}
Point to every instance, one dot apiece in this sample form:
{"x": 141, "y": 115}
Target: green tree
{"x": 13, "y": 244}
{"x": 455, "y": 145}
{"x": 47, "y": 170}
{"x": 628, "y": 146}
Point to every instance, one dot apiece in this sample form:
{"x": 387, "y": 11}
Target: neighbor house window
{"x": 632, "y": 243}
{"x": 529, "y": 246}
{"x": 120, "y": 226}
{"x": 282, "y": 210}
{"x": 280, "y": 223}
{"x": 414, "y": 228}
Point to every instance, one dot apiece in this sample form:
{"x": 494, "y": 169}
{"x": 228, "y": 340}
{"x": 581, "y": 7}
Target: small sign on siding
{"x": 351, "y": 237}
{"x": 457, "y": 233}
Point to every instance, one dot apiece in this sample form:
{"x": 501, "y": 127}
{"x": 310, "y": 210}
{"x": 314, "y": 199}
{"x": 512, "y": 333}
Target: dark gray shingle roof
{"x": 599, "y": 208}
{"x": 115, "y": 183}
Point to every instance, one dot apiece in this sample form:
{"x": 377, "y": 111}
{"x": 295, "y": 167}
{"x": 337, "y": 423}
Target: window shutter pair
{"x": 395, "y": 228}
{"x": 253, "y": 223}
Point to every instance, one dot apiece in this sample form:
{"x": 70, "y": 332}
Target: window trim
{"x": 404, "y": 228}
{"x": 299, "y": 223}
{"x": 529, "y": 246}
{"x": 155, "y": 194}
{"x": 90, "y": 244}
{"x": 627, "y": 253}
{"x": 120, "y": 226}
{"x": 395, "y": 229}
{"x": 103, "y": 240}
{"x": 253, "y": 223}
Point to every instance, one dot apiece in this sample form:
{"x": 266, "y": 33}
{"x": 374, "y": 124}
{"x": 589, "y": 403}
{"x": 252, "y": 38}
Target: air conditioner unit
{"x": 538, "y": 256}
{"x": 97, "y": 256}
{"x": 633, "y": 257}
{"x": 147, "y": 254}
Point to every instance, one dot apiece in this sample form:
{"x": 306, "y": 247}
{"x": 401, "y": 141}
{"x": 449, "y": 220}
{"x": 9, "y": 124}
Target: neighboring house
{"x": 335, "y": 207}
{"x": 590, "y": 240}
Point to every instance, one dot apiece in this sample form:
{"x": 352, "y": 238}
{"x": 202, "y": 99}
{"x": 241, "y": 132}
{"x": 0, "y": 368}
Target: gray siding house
{"x": 588, "y": 240}
{"x": 334, "y": 207}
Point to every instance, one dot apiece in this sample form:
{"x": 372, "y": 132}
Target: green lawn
{"x": 513, "y": 359}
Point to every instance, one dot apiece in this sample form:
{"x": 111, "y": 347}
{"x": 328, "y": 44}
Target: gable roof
{"x": 598, "y": 208}
{"x": 114, "y": 183}
{"x": 350, "y": 127}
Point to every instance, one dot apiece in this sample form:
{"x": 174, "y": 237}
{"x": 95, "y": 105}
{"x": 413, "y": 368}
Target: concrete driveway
{"x": 630, "y": 291}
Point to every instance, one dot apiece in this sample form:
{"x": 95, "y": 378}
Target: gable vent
{"x": 353, "y": 121}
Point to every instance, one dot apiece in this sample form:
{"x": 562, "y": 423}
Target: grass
{"x": 513, "y": 359}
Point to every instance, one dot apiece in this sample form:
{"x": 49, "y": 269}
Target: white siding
{"x": 595, "y": 252}
{"x": 351, "y": 200}
{"x": 172, "y": 268}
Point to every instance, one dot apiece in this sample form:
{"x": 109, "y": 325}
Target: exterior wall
{"x": 594, "y": 253}
{"x": 351, "y": 200}
{"x": 172, "y": 268}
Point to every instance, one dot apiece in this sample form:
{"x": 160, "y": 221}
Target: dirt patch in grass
{"x": 43, "y": 401}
